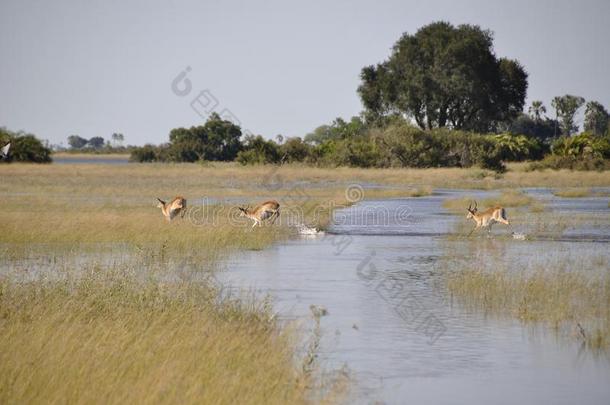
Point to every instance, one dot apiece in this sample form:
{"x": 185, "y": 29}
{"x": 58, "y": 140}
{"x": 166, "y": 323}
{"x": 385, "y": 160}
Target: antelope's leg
{"x": 275, "y": 215}
{"x": 473, "y": 229}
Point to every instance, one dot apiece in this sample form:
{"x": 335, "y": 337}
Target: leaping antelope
{"x": 172, "y": 209}
{"x": 486, "y": 218}
{"x": 266, "y": 210}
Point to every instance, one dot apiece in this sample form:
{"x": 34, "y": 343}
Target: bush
{"x": 407, "y": 146}
{"x": 24, "y": 147}
{"x": 257, "y": 150}
{"x": 556, "y": 162}
{"x": 294, "y": 150}
{"x": 583, "y": 145}
{"x": 582, "y": 152}
{"x": 517, "y": 148}
{"x": 147, "y": 153}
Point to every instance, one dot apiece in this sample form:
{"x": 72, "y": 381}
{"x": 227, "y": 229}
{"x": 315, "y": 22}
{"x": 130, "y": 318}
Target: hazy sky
{"x": 280, "y": 67}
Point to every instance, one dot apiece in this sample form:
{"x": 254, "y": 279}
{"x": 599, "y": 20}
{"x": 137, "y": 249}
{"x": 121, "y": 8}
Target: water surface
{"x": 398, "y": 331}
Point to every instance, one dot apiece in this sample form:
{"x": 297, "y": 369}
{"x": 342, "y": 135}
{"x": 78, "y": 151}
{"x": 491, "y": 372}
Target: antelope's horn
{"x": 470, "y": 207}
{"x": 475, "y": 204}
{"x": 161, "y": 201}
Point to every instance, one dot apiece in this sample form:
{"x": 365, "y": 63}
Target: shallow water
{"x": 396, "y": 329}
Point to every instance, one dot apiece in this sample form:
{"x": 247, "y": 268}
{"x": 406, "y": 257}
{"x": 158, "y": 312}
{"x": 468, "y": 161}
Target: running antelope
{"x": 172, "y": 209}
{"x": 486, "y": 218}
{"x": 266, "y": 210}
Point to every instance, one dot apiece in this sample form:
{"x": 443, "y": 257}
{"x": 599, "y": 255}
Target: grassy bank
{"x": 103, "y": 301}
{"x": 107, "y": 338}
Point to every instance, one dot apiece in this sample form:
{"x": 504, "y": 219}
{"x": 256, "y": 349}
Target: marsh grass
{"x": 572, "y": 192}
{"x": 565, "y": 299}
{"x": 109, "y": 337}
{"x": 103, "y": 301}
{"x": 507, "y": 198}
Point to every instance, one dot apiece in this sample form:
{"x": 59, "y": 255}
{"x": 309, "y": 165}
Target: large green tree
{"x": 596, "y": 118}
{"x": 565, "y": 110}
{"x": 445, "y": 76}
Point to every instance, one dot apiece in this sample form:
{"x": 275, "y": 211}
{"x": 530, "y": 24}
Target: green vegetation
{"x": 566, "y": 108}
{"x": 445, "y": 76}
{"x": 24, "y": 147}
{"x": 581, "y": 152}
{"x": 441, "y": 99}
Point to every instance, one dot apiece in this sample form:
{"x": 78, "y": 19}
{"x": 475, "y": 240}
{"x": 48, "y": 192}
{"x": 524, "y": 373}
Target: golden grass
{"x": 579, "y": 192}
{"x": 107, "y": 338}
{"x": 507, "y": 198}
{"x": 572, "y": 192}
{"x": 568, "y": 291}
{"x": 122, "y": 341}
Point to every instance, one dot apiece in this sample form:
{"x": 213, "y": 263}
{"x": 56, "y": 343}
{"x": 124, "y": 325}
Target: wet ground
{"x": 392, "y": 324}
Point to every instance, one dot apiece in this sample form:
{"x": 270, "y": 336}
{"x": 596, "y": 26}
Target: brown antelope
{"x": 172, "y": 209}
{"x": 266, "y": 210}
{"x": 486, "y": 218}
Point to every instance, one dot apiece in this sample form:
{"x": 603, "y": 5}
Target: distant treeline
{"x": 397, "y": 144}
{"x": 441, "y": 99}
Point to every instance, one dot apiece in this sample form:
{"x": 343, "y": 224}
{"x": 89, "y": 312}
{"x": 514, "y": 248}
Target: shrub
{"x": 517, "y": 148}
{"x": 294, "y": 150}
{"x": 583, "y": 145}
{"x": 407, "y": 146}
{"x": 257, "y": 150}
{"x": 146, "y": 153}
{"x": 24, "y": 147}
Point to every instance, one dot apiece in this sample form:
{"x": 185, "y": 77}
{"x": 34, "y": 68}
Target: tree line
{"x": 441, "y": 98}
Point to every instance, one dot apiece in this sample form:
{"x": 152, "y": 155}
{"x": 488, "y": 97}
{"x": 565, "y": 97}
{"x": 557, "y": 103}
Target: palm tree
{"x": 536, "y": 110}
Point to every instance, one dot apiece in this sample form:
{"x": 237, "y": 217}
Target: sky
{"x": 93, "y": 68}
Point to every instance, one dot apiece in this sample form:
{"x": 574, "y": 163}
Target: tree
{"x": 596, "y": 118}
{"x": 445, "y": 76}
{"x": 565, "y": 110}
{"x": 536, "y": 110}
{"x": 76, "y": 142}
{"x": 117, "y": 138}
{"x": 338, "y": 129}
{"x": 294, "y": 150}
{"x": 543, "y": 129}
{"x": 96, "y": 142}
{"x": 257, "y": 150}
{"x": 217, "y": 139}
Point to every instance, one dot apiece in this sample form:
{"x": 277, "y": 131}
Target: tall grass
{"x": 507, "y": 198}
{"x": 108, "y": 338}
{"x": 149, "y": 325}
{"x": 570, "y": 292}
